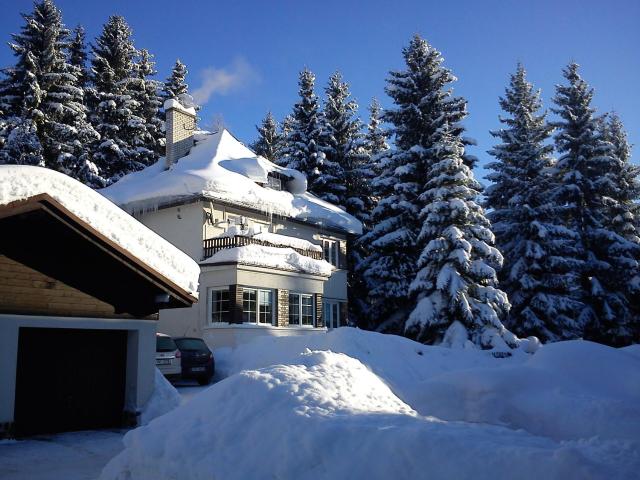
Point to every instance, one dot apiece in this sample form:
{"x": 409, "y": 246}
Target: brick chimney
{"x": 180, "y": 125}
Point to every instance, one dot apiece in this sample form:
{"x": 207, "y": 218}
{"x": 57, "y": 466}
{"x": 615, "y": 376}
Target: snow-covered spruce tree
{"x": 375, "y": 145}
{"x": 175, "y": 84}
{"x": 342, "y": 145}
{"x": 52, "y": 98}
{"x": 456, "y": 286}
{"x": 113, "y": 110}
{"x": 20, "y": 99}
{"x": 540, "y": 267}
{"x": 375, "y": 138}
{"x": 302, "y": 144}
{"x": 270, "y": 141}
{"x": 149, "y": 138}
{"x": 624, "y": 217}
{"x": 424, "y": 103}
{"x": 587, "y": 178}
{"x": 78, "y": 55}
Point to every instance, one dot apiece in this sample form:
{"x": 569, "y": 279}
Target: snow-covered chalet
{"x": 272, "y": 255}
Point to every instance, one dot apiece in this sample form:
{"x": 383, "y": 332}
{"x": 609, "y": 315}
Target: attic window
{"x": 274, "y": 181}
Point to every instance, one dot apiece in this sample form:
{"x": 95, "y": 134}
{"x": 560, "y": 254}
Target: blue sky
{"x": 244, "y": 56}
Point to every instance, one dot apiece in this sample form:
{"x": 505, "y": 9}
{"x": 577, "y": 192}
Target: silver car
{"x": 168, "y": 357}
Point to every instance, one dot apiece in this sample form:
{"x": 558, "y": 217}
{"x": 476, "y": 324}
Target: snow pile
{"x": 271, "y": 257}
{"x": 20, "y": 182}
{"x": 221, "y": 168}
{"x": 365, "y": 405}
{"x": 164, "y": 399}
{"x": 273, "y": 238}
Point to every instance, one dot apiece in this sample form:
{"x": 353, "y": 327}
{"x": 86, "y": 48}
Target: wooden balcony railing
{"x": 212, "y": 245}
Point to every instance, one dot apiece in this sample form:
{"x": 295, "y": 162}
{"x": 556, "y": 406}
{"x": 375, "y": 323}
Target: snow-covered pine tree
{"x": 176, "y": 85}
{"x": 540, "y": 268}
{"x": 375, "y": 138}
{"x": 375, "y": 145}
{"x": 302, "y": 144}
{"x": 20, "y": 99}
{"x": 270, "y": 141}
{"x": 586, "y": 174}
{"x": 424, "y": 103}
{"x": 149, "y": 138}
{"x": 113, "y": 108}
{"x": 456, "y": 286}
{"x": 52, "y": 99}
{"x": 624, "y": 216}
{"x": 342, "y": 145}
{"x": 78, "y": 56}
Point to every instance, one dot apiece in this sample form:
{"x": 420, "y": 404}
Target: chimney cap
{"x": 172, "y": 103}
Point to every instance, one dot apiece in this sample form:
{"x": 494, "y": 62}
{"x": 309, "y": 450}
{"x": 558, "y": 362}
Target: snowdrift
{"x": 164, "y": 399}
{"x": 353, "y": 404}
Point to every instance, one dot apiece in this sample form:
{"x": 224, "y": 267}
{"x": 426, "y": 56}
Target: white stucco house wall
{"x": 272, "y": 255}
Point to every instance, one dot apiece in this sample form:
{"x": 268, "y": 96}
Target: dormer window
{"x": 273, "y": 182}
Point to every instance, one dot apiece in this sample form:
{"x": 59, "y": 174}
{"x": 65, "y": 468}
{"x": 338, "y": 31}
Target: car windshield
{"x": 191, "y": 344}
{"x": 165, "y": 344}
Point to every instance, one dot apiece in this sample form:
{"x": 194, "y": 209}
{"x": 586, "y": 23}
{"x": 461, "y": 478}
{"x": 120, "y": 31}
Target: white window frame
{"x": 331, "y": 251}
{"x": 300, "y": 296}
{"x": 257, "y": 313}
{"x": 210, "y": 304}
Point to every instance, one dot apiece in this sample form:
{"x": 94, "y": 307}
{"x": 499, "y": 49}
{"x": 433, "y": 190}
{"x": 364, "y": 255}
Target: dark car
{"x": 197, "y": 359}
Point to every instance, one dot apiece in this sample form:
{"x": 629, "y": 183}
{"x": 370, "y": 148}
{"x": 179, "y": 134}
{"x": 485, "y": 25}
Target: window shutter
{"x": 235, "y": 303}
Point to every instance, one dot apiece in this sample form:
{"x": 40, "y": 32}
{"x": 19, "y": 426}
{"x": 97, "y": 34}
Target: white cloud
{"x": 221, "y": 81}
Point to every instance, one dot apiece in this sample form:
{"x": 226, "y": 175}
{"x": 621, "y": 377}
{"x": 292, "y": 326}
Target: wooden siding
{"x": 26, "y": 291}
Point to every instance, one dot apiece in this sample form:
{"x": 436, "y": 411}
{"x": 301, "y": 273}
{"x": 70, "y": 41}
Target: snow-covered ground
{"x": 353, "y": 404}
{"x": 67, "y": 456}
{"x": 361, "y": 405}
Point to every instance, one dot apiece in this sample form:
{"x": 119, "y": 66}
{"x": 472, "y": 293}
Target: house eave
{"x": 134, "y": 207}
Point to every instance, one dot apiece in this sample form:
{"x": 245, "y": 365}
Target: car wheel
{"x": 204, "y": 380}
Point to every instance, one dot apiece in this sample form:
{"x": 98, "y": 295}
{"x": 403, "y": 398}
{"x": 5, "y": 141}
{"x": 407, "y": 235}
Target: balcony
{"x": 213, "y": 245}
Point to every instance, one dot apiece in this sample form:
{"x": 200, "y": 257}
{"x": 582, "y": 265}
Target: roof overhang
{"x": 41, "y": 233}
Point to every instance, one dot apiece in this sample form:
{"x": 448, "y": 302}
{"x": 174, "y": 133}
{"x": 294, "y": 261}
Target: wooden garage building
{"x": 77, "y": 322}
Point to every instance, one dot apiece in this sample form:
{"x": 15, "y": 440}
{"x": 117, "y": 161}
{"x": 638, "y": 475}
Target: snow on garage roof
{"x": 21, "y": 182}
{"x": 221, "y": 168}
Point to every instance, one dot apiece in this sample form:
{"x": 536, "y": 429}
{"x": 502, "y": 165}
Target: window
{"x": 301, "y": 309}
{"x": 331, "y": 315}
{"x": 331, "y": 249}
{"x": 257, "y": 306}
{"x": 220, "y": 305}
{"x": 274, "y": 182}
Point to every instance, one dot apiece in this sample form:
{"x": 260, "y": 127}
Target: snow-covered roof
{"x": 21, "y": 182}
{"x": 221, "y": 168}
{"x": 271, "y": 257}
